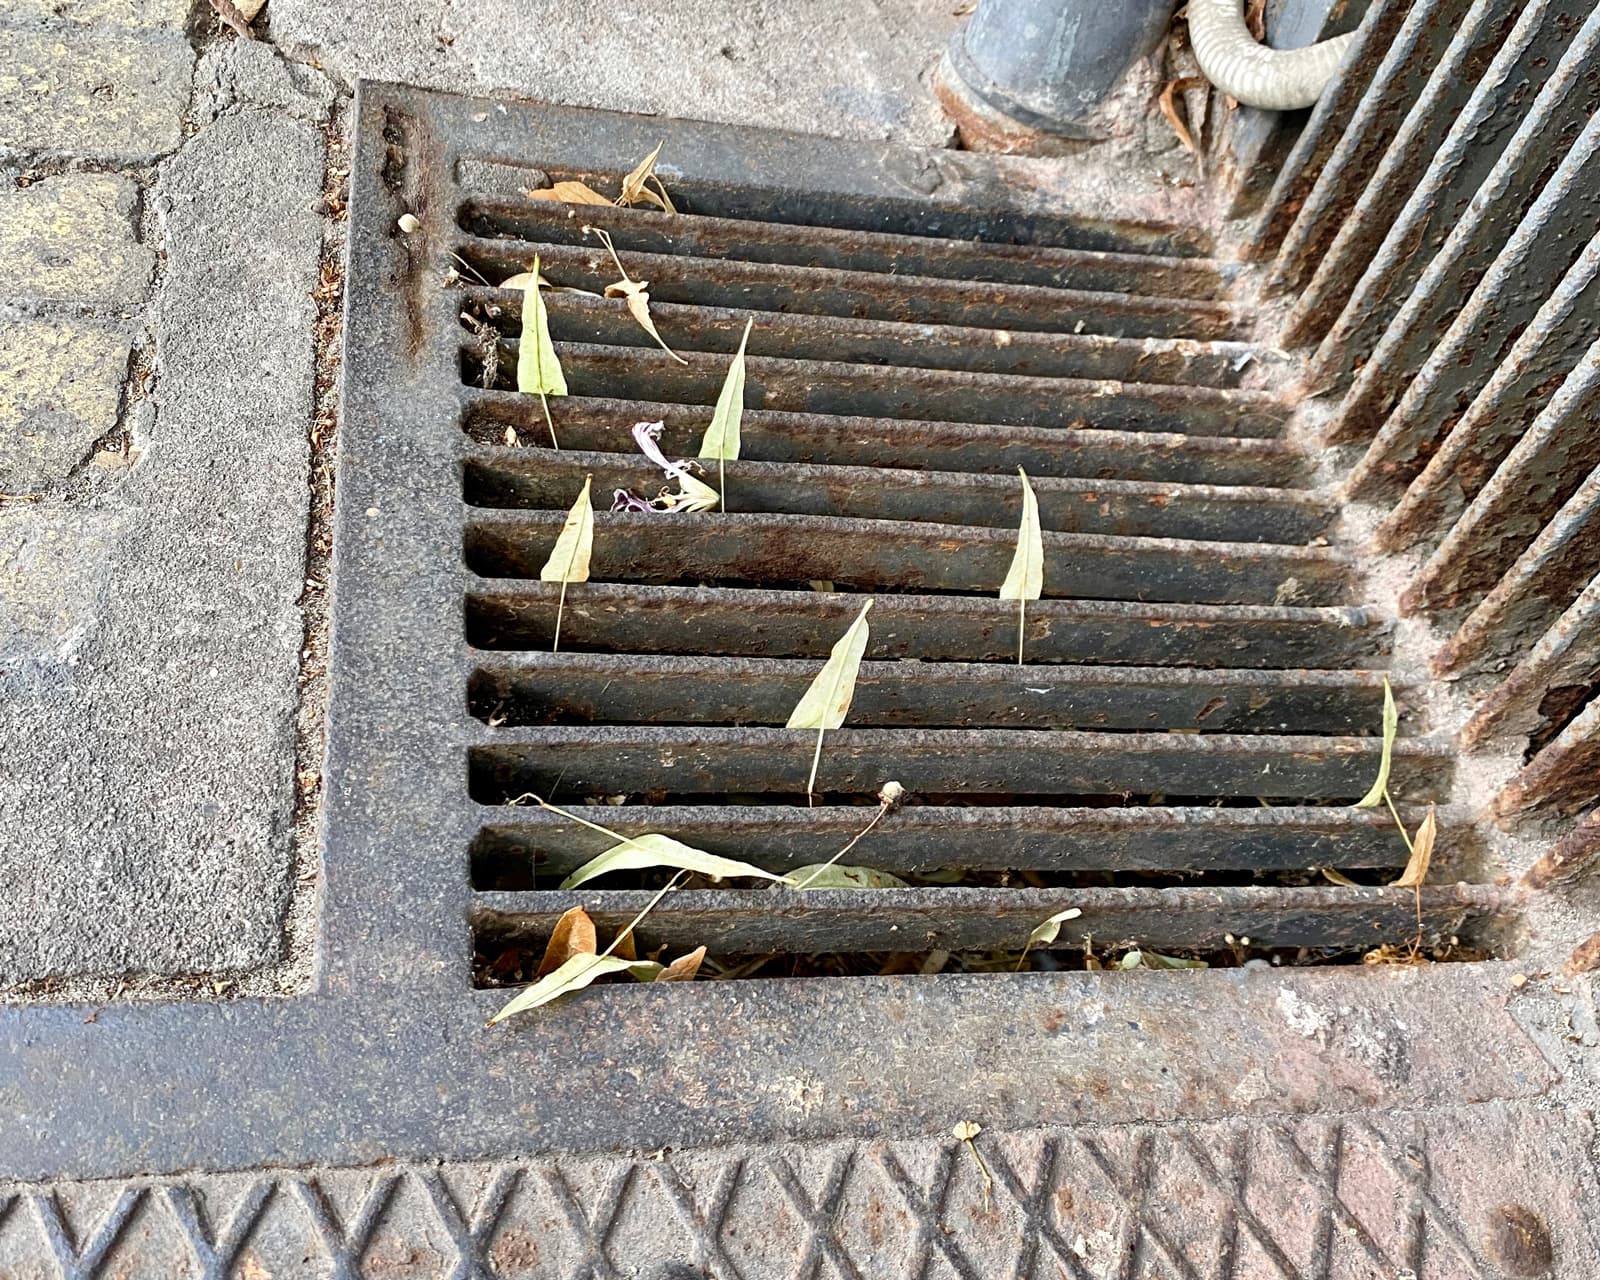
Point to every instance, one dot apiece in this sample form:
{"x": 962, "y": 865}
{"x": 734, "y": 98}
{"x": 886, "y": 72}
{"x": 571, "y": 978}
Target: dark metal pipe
{"x": 1044, "y": 65}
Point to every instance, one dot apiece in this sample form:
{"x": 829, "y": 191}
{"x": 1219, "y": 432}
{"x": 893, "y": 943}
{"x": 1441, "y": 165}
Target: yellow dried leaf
{"x": 573, "y": 936}
{"x": 684, "y": 968}
{"x": 966, "y": 1131}
{"x": 634, "y": 188}
{"x": 638, "y": 304}
{"x": 1391, "y": 726}
{"x": 641, "y": 853}
{"x": 1025, "y": 579}
{"x": 823, "y": 705}
{"x": 569, "y": 192}
{"x": 1338, "y": 878}
{"x": 1050, "y": 930}
{"x": 825, "y": 702}
{"x": 722, "y": 440}
{"x": 1421, "y": 853}
{"x": 574, "y": 975}
{"x": 569, "y": 559}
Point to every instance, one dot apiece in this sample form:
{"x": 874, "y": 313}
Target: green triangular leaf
{"x": 574, "y": 975}
{"x": 538, "y": 368}
{"x": 1391, "y": 726}
{"x": 722, "y": 436}
{"x": 654, "y": 850}
{"x": 824, "y": 704}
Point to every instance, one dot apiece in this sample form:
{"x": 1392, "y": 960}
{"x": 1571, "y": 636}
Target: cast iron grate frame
{"x": 385, "y": 1058}
{"x": 1150, "y": 351}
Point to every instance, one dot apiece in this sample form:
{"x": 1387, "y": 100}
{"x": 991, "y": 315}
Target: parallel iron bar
{"x": 584, "y": 688}
{"x": 1559, "y": 673}
{"x": 868, "y": 295}
{"x": 733, "y": 922}
{"x": 1378, "y": 202}
{"x": 542, "y": 479}
{"x": 1564, "y": 777}
{"x": 853, "y": 340}
{"x": 1473, "y": 188}
{"x": 608, "y": 760}
{"x": 893, "y": 554}
{"x": 729, "y": 239}
{"x": 1309, "y": 203}
{"x": 706, "y": 620}
{"x": 1534, "y": 591}
{"x": 1528, "y": 489}
{"x": 1507, "y": 283}
{"x": 818, "y": 386}
{"x": 951, "y": 214}
{"x": 601, "y": 424}
{"x": 518, "y": 842}
{"x": 1519, "y": 390}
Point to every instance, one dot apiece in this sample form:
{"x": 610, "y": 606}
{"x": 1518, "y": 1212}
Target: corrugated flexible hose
{"x": 1275, "y": 79}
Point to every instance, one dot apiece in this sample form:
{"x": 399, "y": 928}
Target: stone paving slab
{"x": 70, "y": 238}
{"x": 126, "y": 13}
{"x": 1469, "y": 1194}
{"x": 847, "y": 70}
{"x": 60, "y": 390}
{"x": 94, "y": 96}
{"x": 145, "y": 822}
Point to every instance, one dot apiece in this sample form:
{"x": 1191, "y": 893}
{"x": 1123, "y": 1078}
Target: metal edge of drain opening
{"x": 386, "y": 1058}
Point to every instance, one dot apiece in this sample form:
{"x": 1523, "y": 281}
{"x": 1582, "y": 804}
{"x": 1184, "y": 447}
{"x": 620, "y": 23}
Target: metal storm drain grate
{"x": 1202, "y": 694}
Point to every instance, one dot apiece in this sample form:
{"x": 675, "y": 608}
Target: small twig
{"x": 229, "y": 13}
{"x": 887, "y": 799}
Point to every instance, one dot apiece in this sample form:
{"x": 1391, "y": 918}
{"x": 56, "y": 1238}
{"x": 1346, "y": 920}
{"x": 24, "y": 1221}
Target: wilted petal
{"x": 622, "y": 500}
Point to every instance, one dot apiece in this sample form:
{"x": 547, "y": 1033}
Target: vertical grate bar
{"x": 1547, "y": 351}
{"x": 1551, "y": 226}
{"x": 1548, "y": 464}
{"x": 1303, "y": 222}
{"x": 1564, "y": 776}
{"x": 1532, "y": 262}
{"x": 1564, "y": 663}
{"x": 1374, "y": 58}
{"x": 1564, "y": 557}
{"x": 1462, "y": 167}
{"x": 1442, "y": 107}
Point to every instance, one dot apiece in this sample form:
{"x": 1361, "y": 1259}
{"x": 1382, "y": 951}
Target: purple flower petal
{"x": 622, "y": 500}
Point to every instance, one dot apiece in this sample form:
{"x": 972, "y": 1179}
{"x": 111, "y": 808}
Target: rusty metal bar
{"x": 733, "y": 922}
{"x": 587, "y": 688}
{"x": 1352, "y": 126}
{"x": 888, "y": 553}
{"x": 521, "y": 846}
{"x": 1545, "y": 354}
{"x": 871, "y": 295}
{"x": 779, "y": 244}
{"x": 606, "y": 321}
{"x": 1538, "y": 587}
{"x": 1526, "y": 492}
{"x": 543, "y": 479}
{"x": 1569, "y": 860}
{"x": 1503, "y": 280}
{"x": 666, "y": 761}
{"x": 942, "y": 208}
{"x": 1546, "y": 687}
{"x": 1563, "y": 777}
{"x": 600, "y": 424}
{"x": 709, "y": 620}
{"x": 1358, "y": 234}
{"x": 816, "y": 386}
{"x": 1326, "y": 128}
{"x": 1470, "y": 162}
